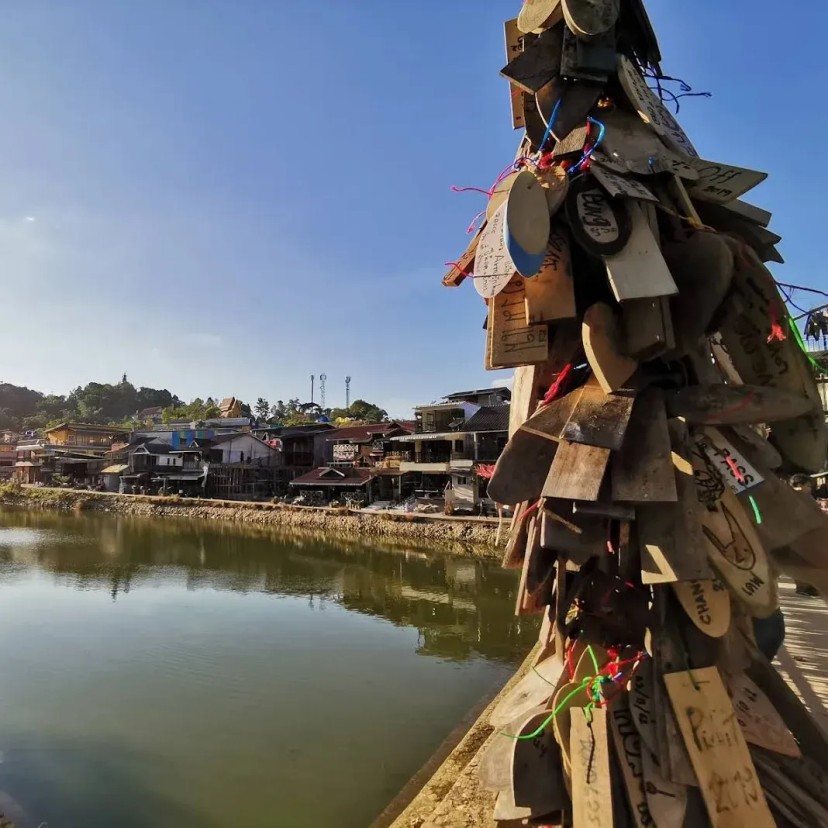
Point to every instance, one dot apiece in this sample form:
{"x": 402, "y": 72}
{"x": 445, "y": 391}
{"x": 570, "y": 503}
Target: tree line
{"x": 24, "y": 409}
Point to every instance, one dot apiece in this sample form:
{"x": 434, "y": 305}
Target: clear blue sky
{"x": 226, "y": 196}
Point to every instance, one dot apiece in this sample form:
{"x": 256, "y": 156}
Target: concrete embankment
{"x": 442, "y": 531}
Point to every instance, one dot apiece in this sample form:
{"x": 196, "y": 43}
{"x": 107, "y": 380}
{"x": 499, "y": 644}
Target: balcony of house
{"x": 438, "y": 418}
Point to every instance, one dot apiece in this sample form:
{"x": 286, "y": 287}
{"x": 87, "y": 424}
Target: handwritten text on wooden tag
{"x": 591, "y": 780}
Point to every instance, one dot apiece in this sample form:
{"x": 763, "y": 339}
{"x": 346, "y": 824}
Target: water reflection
{"x": 461, "y": 606}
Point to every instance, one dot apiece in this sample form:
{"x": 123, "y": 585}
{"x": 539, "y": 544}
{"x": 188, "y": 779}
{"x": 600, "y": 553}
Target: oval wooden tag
{"x": 651, "y": 109}
{"x": 707, "y": 604}
{"x": 735, "y": 404}
{"x": 667, "y": 800}
{"x": 537, "y": 771}
{"x": 538, "y": 14}
{"x": 493, "y": 268}
{"x": 535, "y": 688}
{"x": 527, "y": 224}
{"x": 758, "y": 718}
{"x": 500, "y": 194}
{"x": 600, "y": 225}
{"x": 590, "y": 18}
{"x": 641, "y": 704}
{"x": 555, "y": 183}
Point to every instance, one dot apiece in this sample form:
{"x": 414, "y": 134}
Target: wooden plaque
{"x": 735, "y": 404}
{"x": 493, "y": 268}
{"x": 599, "y": 224}
{"x": 577, "y": 472}
{"x": 721, "y": 182}
{"x": 539, "y": 14}
{"x": 651, "y": 109}
{"x": 629, "y": 142}
{"x": 550, "y": 295}
{"x": 555, "y": 183}
{"x": 590, "y": 18}
{"x": 718, "y": 752}
{"x": 600, "y": 419}
{"x": 620, "y": 186}
{"x": 591, "y": 771}
{"x": 577, "y": 100}
{"x": 457, "y": 273}
{"x": 535, "y": 125}
{"x": 522, "y": 469}
{"x": 500, "y": 194}
{"x": 736, "y": 470}
{"x": 602, "y": 344}
{"x": 666, "y": 800}
{"x": 514, "y": 46}
{"x": 514, "y": 342}
{"x": 537, "y": 772}
{"x": 580, "y": 65}
{"x": 707, "y": 604}
{"x": 538, "y": 63}
{"x": 639, "y": 271}
{"x": 527, "y": 223}
{"x": 495, "y": 768}
{"x": 534, "y": 689}
{"x": 549, "y": 421}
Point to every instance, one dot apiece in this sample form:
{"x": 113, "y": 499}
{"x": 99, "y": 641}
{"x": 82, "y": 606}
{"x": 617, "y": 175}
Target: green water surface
{"x": 165, "y": 673}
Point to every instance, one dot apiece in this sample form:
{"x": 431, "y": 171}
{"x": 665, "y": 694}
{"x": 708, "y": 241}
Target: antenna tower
{"x": 347, "y": 392}
{"x": 322, "y": 379}
{"x": 312, "y": 379}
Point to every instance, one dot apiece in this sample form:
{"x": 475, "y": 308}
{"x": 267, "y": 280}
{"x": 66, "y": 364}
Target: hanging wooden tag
{"x": 707, "y": 604}
{"x": 549, "y": 421}
{"x": 555, "y": 183}
{"x": 591, "y": 772}
{"x": 600, "y": 419}
{"x": 577, "y": 472}
{"x": 538, "y": 63}
{"x": 527, "y": 224}
{"x": 596, "y": 56}
{"x": 577, "y": 100}
{"x": 539, "y": 14}
{"x": 758, "y": 718}
{"x": 535, "y": 125}
{"x": 601, "y": 338}
{"x": 628, "y": 749}
{"x": 718, "y": 752}
{"x": 759, "y": 447}
{"x": 500, "y": 194}
{"x": 642, "y": 471}
{"x": 514, "y": 46}
{"x": 665, "y": 161}
{"x": 457, "y": 273}
{"x": 600, "y": 225}
{"x": 568, "y": 697}
{"x": 550, "y": 295}
{"x": 513, "y": 342}
{"x": 647, "y": 326}
{"x": 666, "y": 800}
{"x": 651, "y": 109}
{"x": 532, "y": 546}
{"x": 735, "y": 404}
{"x": 731, "y": 541}
{"x": 495, "y": 768}
{"x": 619, "y": 186}
{"x": 572, "y": 65}
{"x": 749, "y": 211}
{"x": 493, "y": 269}
{"x": 522, "y": 469}
{"x": 537, "y": 772}
{"x": 737, "y": 472}
{"x": 721, "y": 182}
{"x": 628, "y": 142}
{"x": 577, "y": 537}
{"x": 505, "y": 810}
{"x": 639, "y": 271}
{"x": 590, "y": 18}
{"x": 535, "y": 688}
{"x": 571, "y": 148}
{"x": 641, "y": 705}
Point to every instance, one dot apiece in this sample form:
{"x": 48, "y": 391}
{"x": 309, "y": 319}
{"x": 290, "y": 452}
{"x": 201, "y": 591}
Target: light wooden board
{"x": 549, "y": 421}
{"x": 457, "y": 273}
{"x": 620, "y": 186}
{"x": 666, "y": 800}
{"x": 628, "y": 750}
{"x": 707, "y": 604}
{"x": 535, "y": 688}
{"x": 639, "y": 270}
{"x": 641, "y": 704}
{"x": 495, "y": 768}
{"x": 493, "y": 268}
{"x": 647, "y": 327}
{"x": 578, "y": 537}
{"x": 538, "y": 63}
{"x": 734, "y": 467}
{"x": 577, "y": 472}
{"x": 735, "y": 404}
{"x": 591, "y": 771}
{"x": 589, "y": 18}
{"x": 516, "y": 542}
{"x": 651, "y": 109}
{"x": 537, "y": 772}
{"x": 721, "y": 182}
{"x": 555, "y": 182}
{"x": 550, "y": 295}
{"x": 522, "y": 469}
{"x": 513, "y": 341}
{"x": 527, "y": 215}
{"x": 535, "y": 125}
{"x": 718, "y": 751}
{"x": 539, "y": 14}
{"x": 500, "y": 194}
{"x": 572, "y": 147}
{"x": 760, "y": 722}
{"x": 642, "y": 471}
{"x": 513, "y": 38}
{"x": 629, "y": 142}
{"x": 602, "y": 339}
{"x": 600, "y": 419}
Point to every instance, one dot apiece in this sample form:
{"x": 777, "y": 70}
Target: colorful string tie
{"x": 777, "y": 333}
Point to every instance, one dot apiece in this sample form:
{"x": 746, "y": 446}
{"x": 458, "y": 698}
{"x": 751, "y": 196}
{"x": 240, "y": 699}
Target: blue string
{"x": 551, "y": 126}
{"x": 585, "y": 157}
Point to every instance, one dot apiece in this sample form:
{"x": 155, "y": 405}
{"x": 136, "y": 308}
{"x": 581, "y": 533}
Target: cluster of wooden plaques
{"x": 660, "y": 397}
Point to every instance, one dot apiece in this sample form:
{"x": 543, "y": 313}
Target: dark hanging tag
{"x": 601, "y": 225}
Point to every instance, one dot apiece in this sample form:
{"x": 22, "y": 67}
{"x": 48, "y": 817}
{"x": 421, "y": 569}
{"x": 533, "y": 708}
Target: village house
{"x": 8, "y": 452}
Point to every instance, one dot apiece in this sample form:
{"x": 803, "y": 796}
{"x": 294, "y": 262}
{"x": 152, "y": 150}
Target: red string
{"x": 529, "y": 511}
{"x": 569, "y": 666}
{"x": 456, "y": 266}
{"x": 777, "y": 334}
{"x": 470, "y": 190}
{"x": 556, "y": 389}
{"x": 735, "y": 469}
{"x": 734, "y": 409}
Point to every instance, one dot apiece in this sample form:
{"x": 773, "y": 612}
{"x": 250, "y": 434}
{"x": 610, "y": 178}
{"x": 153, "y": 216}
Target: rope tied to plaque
{"x": 777, "y": 333}
{"x": 556, "y": 389}
{"x": 584, "y": 161}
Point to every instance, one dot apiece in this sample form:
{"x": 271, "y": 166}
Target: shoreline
{"x": 475, "y": 535}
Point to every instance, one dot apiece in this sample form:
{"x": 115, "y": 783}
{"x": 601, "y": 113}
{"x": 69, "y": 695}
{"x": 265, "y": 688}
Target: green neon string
{"x": 757, "y": 515}
{"x": 594, "y": 660}
{"x": 804, "y": 348}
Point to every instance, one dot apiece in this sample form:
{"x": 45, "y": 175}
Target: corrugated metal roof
{"x": 116, "y": 469}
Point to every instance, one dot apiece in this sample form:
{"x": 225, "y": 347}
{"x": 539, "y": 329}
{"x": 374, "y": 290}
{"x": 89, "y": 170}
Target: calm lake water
{"x": 160, "y": 673}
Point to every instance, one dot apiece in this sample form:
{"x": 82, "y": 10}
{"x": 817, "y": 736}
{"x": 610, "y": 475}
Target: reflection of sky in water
{"x": 180, "y": 673}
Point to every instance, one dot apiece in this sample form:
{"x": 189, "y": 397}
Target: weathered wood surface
{"x": 577, "y": 472}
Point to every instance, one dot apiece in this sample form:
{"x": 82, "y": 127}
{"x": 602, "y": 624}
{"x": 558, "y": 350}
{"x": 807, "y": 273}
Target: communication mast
{"x": 322, "y": 379}
{"x": 312, "y": 379}
{"x": 347, "y": 392}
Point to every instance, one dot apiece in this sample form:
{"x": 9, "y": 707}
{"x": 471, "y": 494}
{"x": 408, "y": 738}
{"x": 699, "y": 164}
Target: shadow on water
{"x": 461, "y": 606}
{"x": 75, "y": 775}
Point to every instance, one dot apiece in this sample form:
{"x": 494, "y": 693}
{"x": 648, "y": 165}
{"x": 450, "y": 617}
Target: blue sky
{"x": 226, "y": 196}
